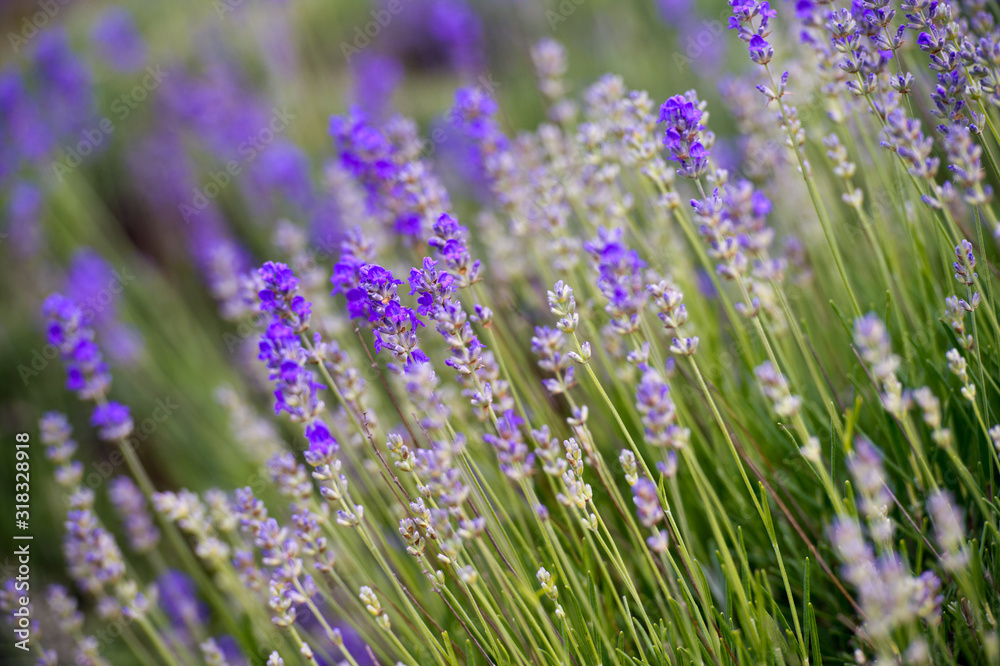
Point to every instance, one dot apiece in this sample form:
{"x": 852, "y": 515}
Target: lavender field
{"x": 507, "y": 332}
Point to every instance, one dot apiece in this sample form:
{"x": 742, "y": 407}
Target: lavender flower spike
{"x": 131, "y": 507}
{"x": 68, "y": 330}
{"x": 685, "y": 135}
{"x": 750, "y": 19}
{"x": 966, "y": 264}
{"x": 114, "y": 421}
{"x": 393, "y": 323}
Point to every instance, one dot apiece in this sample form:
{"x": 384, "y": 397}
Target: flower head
{"x": 647, "y": 502}
{"x": 113, "y": 419}
{"x": 516, "y": 460}
{"x": 966, "y": 264}
{"x": 279, "y": 296}
{"x": 69, "y": 331}
{"x": 685, "y": 135}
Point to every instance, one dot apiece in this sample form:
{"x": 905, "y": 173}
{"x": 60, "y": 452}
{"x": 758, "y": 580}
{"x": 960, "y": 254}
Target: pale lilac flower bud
{"x": 949, "y": 529}
{"x": 966, "y": 264}
{"x": 647, "y": 503}
{"x": 131, "y": 507}
{"x": 775, "y": 387}
{"x": 872, "y": 339}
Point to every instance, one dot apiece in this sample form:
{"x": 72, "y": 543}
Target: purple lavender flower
{"x": 24, "y": 207}
{"x": 855, "y": 554}
{"x": 474, "y": 111}
{"x": 250, "y": 510}
{"x": 86, "y": 371}
{"x": 432, "y": 285}
{"x": 761, "y": 51}
{"x": 473, "y": 114}
{"x": 281, "y": 174}
{"x": 295, "y": 388}
{"x": 647, "y": 502}
{"x": 280, "y": 296}
{"x": 393, "y": 323}
{"x": 548, "y": 344}
{"x": 515, "y": 459}
{"x": 904, "y": 137}
{"x": 620, "y": 278}
{"x": 356, "y": 252}
{"x": 745, "y": 21}
{"x": 451, "y": 321}
{"x": 114, "y": 421}
{"x": 323, "y": 448}
{"x": 449, "y": 240}
{"x": 65, "y": 96}
{"x": 459, "y": 30}
{"x": 872, "y": 338}
{"x": 55, "y": 434}
{"x": 93, "y": 557}
{"x": 965, "y": 266}
{"x": 118, "y": 40}
{"x": 659, "y": 415}
{"x": 402, "y": 190}
{"x": 949, "y": 528}
{"x": 684, "y": 133}
{"x": 865, "y": 465}
{"x": 364, "y": 151}
{"x": 131, "y": 507}
{"x": 964, "y": 161}
{"x": 27, "y": 135}
{"x": 375, "y": 77}
{"x": 92, "y": 283}
{"x": 218, "y": 107}
{"x": 685, "y": 19}
{"x": 178, "y": 598}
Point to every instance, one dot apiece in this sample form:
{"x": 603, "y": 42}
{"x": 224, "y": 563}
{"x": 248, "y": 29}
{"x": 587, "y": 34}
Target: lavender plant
{"x": 627, "y": 391}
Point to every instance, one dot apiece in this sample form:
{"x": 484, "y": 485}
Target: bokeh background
{"x": 116, "y": 121}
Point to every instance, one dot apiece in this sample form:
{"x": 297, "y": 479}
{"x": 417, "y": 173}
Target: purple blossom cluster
{"x": 131, "y": 507}
{"x": 888, "y": 594}
{"x": 659, "y": 414}
{"x": 86, "y": 372}
{"x": 394, "y": 324}
{"x": 751, "y": 20}
{"x": 281, "y": 346}
{"x": 474, "y": 115}
{"x": 620, "y": 279}
{"x": 516, "y": 461}
{"x": 92, "y": 283}
{"x": 118, "y": 40}
{"x": 450, "y": 241}
{"x": 685, "y": 136}
{"x": 403, "y": 191}
{"x": 296, "y": 389}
